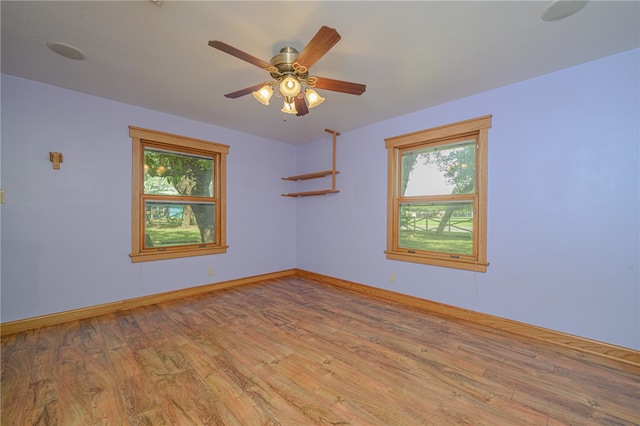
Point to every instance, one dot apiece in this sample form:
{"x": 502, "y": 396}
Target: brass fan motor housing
{"x": 284, "y": 61}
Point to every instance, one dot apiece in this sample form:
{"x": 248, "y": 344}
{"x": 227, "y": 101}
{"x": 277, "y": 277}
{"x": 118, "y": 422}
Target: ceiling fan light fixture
{"x": 264, "y": 94}
{"x": 313, "y": 98}
{"x": 290, "y": 72}
{"x": 290, "y": 86}
{"x": 289, "y": 105}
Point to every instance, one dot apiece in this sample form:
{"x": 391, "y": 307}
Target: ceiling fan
{"x": 290, "y": 71}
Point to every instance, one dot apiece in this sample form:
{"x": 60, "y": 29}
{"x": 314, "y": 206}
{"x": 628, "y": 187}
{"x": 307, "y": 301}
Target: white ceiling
{"x": 411, "y": 55}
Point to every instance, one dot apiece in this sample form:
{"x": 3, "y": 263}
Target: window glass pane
{"x": 442, "y": 170}
{"x": 171, "y": 173}
{"x": 176, "y": 224}
{"x": 441, "y": 227}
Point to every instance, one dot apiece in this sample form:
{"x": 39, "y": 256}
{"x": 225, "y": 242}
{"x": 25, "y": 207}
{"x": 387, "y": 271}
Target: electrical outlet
{"x": 392, "y": 277}
{"x": 210, "y": 270}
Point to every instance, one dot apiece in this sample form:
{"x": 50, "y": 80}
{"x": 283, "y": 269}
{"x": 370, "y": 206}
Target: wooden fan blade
{"x": 301, "y": 107}
{"x": 239, "y": 54}
{"x": 340, "y": 86}
{"x": 320, "y": 44}
{"x": 243, "y": 92}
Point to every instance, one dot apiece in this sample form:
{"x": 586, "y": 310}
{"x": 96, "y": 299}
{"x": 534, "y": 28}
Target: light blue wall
{"x": 66, "y": 234}
{"x": 563, "y": 217}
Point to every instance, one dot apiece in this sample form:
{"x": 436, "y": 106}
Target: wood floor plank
{"x": 378, "y": 345}
{"x": 73, "y": 385}
{"x": 92, "y": 338}
{"x": 239, "y": 402}
{"x": 182, "y": 396}
{"x": 111, "y": 333}
{"x": 15, "y": 377}
{"x": 7, "y": 343}
{"x": 313, "y": 406}
{"x": 138, "y": 394}
{"x": 346, "y": 400}
{"x": 558, "y": 403}
{"x": 602, "y": 393}
{"x": 135, "y": 337}
{"x": 294, "y": 351}
{"x": 167, "y": 350}
{"x": 265, "y": 396}
{"x": 186, "y": 357}
{"x": 136, "y": 391}
{"x": 297, "y": 407}
{"x": 71, "y": 335}
{"x": 107, "y": 406}
{"x": 151, "y": 417}
{"x": 41, "y": 406}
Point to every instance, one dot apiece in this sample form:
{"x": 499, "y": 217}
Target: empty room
{"x": 320, "y": 212}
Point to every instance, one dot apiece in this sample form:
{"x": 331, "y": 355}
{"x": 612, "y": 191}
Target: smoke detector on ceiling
{"x": 560, "y": 9}
{"x": 66, "y": 50}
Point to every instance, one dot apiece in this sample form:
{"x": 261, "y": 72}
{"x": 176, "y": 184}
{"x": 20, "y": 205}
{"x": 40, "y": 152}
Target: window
{"x": 437, "y": 196}
{"x": 178, "y": 203}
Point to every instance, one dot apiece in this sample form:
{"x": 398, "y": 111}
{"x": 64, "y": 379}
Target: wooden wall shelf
{"x": 309, "y": 193}
{"x": 315, "y": 175}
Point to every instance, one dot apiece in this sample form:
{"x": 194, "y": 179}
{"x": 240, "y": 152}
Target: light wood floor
{"x": 296, "y": 352}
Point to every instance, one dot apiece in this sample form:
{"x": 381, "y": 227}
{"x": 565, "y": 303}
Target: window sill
{"x": 456, "y": 263}
{"x": 175, "y": 253}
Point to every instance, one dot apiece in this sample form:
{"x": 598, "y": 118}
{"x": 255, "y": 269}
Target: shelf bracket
{"x": 333, "y": 167}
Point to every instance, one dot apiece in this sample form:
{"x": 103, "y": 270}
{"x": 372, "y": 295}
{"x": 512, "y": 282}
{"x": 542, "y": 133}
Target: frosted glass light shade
{"x": 264, "y": 94}
{"x": 289, "y": 107}
{"x": 290, "y": 86}
{"x": 313, "y": 99}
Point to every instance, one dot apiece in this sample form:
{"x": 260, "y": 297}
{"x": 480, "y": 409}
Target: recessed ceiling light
{"x": 560, "y": 9}
{"x": 66, "y": 50}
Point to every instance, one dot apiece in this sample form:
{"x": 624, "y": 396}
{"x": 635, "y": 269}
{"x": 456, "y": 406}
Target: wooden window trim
{"x": 140, "y": 137}
{"x": 479, "y": 127}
